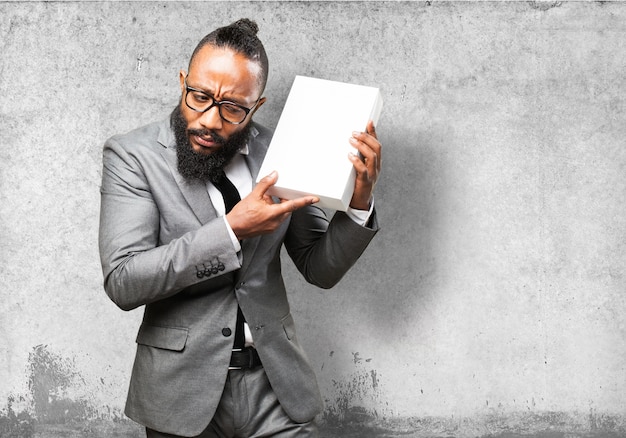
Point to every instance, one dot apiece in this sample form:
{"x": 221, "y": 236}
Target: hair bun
{"x": 247, "y": 25}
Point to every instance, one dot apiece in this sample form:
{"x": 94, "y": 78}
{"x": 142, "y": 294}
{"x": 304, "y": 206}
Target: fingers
{"x": 268, "y": 181}
{"x": 371, "y": 129}
{"x": 370, "y": 149}
{"x": 264, "y": 184}
{"x": 291, "y": 205}
{"x": 367, "y": 138}
{"x": 285, "y": 205}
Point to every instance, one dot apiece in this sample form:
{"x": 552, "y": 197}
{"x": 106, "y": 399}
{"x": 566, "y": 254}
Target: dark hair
{"x": 239, "y": 36}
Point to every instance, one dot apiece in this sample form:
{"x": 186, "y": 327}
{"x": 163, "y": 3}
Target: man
{"x": 217, "y": 352}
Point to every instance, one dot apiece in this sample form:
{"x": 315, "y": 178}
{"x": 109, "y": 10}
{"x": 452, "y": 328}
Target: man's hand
{"x": 258, "y": 214}
{"x": 367, "y": 166}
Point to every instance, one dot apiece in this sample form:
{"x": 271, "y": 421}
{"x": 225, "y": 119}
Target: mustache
{"x": 207, "y": 133}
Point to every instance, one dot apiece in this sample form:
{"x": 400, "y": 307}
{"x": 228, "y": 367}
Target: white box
{"x": 310, "y": 146}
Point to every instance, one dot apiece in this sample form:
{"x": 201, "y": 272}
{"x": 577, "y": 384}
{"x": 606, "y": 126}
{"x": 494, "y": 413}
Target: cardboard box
{"x": 310, "y": 146}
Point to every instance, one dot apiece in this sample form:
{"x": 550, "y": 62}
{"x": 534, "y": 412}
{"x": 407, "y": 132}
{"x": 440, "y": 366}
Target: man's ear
{"x": 258, "y": 105}
{"x": 182, "y": 75}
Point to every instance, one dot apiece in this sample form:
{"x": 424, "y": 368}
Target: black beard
{"x": 204, "y": 167}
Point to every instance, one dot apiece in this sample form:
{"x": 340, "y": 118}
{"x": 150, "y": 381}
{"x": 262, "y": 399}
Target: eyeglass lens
{"x": 201, "y": 102}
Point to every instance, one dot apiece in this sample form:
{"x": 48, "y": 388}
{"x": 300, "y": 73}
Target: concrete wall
{"x": 492, "y": 303}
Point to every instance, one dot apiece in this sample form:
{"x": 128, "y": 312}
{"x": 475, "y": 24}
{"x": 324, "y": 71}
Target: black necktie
{"x": 228, "y": 190}
{"x": 231, "y": 198}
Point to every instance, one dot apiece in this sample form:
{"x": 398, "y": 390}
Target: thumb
{"x": 265, "y": 183}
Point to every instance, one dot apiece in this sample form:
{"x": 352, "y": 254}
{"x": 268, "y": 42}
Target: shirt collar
{"x": 245, "y": 150}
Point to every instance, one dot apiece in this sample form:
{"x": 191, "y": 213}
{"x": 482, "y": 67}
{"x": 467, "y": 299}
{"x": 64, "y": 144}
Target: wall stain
{"x": 511, "y": 425}
{"x": 347, "y": 407}
{"x": 15, "y": 425}
{"x": 544, "y": 5}
{"x": 374, "y": 379}
{"x": 55, "y": 405}
{"x": 52, "y": 378}
{"x": 357, "y": 410}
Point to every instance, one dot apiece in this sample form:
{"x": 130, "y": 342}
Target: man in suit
{"x": 184, "y": 232}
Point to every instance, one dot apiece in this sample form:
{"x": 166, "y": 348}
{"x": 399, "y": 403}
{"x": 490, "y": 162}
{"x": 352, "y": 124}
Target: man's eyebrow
{"x": 233, "y": 100}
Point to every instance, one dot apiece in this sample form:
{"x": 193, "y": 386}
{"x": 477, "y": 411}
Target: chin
{"x": 203, "y": 150}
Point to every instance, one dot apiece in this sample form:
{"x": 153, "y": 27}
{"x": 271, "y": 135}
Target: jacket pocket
{"x": 289, "y": 326}
{"x": 167, "y": 338}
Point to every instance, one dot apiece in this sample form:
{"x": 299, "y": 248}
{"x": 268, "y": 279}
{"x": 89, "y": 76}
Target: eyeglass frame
{"x": 219, "y": 104}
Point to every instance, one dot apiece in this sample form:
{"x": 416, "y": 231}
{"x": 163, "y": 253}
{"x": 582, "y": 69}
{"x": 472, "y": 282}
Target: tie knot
{"x": 218, "y": 176}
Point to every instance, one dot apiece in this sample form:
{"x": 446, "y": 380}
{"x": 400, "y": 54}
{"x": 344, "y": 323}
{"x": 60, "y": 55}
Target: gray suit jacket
{"x": 162, "y": 246}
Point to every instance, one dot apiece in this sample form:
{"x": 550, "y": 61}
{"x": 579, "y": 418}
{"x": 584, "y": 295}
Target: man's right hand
{"x": 258, "y": 214}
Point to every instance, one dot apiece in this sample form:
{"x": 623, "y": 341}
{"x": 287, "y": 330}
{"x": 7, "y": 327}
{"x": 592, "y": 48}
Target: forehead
{"x": 225, "y": 73}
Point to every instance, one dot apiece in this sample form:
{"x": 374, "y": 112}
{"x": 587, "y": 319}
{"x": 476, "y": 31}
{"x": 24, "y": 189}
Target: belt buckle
{"x": 239, "y": 350}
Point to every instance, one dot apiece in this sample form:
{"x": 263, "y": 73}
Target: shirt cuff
{"x": 360, "y": 216}
{"x": 233, "y": 238}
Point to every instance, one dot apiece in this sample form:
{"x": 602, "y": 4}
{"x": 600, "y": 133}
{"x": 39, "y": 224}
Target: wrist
{"x": 359, "y": 204}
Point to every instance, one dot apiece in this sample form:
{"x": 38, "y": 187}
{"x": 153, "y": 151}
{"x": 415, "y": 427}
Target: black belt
{"x": 247, "y": 358}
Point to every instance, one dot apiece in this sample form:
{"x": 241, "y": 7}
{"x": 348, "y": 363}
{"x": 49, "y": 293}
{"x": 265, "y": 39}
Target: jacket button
{"x": 227, "y": 332}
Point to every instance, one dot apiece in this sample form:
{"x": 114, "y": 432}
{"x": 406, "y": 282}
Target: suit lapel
{"x": 194, "y": 192}
{"x": 256, "y": 152}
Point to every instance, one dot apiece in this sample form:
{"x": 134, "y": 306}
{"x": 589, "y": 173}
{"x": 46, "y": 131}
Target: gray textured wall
{"x": 492, "y": 301}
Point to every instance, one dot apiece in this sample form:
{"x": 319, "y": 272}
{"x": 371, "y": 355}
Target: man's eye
{"x": 199, "y": 97}
{"x": 232, "y": 109}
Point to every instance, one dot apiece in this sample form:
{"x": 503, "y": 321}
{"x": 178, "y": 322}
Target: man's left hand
{"x": 367, "y": 166}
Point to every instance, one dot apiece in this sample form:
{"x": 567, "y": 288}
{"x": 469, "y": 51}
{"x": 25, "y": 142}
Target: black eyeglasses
{"x": 201, "y": 102}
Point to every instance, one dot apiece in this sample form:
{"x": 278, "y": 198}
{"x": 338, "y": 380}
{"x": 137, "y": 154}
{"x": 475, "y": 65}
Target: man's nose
{"x": 211, "y": 119}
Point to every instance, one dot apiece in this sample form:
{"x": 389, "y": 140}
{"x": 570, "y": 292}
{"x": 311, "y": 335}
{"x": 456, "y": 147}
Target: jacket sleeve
{"x": 323, "y": 252}
{"x": 138, "y": 268}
